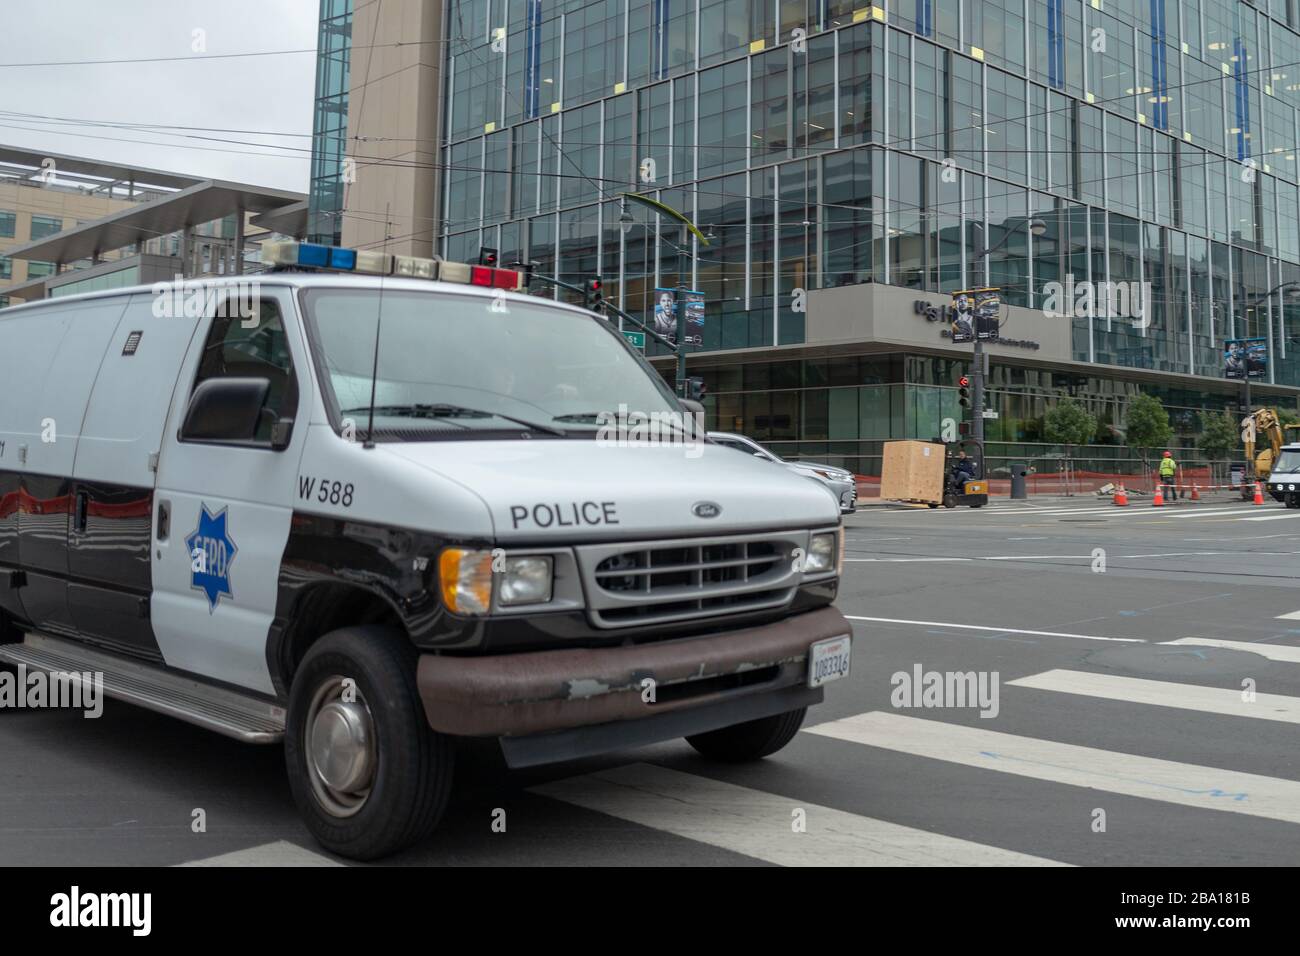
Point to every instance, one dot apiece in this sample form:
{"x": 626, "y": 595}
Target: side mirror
{"x": 225, "y": 409}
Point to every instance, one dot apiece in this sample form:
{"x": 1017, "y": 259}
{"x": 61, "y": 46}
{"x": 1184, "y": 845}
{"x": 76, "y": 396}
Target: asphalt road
{"x": 1105, "y": 743}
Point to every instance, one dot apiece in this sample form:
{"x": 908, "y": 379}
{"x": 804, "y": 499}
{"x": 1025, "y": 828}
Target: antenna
{"x": 379, "y": 318}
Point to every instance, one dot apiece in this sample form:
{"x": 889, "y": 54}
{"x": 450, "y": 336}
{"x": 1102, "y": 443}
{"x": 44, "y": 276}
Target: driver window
{"x": 252, "y": 347}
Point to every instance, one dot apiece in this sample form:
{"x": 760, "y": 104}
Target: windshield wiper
{"x": 440, "y": 410}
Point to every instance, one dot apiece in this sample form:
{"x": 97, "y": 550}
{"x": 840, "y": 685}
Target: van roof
{"x": 300, "y": 280}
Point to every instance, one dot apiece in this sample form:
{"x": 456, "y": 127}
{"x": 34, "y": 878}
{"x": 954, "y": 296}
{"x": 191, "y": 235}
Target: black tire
{"x": 949, "y": 501}
{"x": 1293, "y": 499}
{"x": 931, "y": 504}
{"x": 411, "y": 780}
{"x": 752, "y": 740}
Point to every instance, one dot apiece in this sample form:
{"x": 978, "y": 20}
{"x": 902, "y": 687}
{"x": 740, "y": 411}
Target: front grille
{"x": 662, "y": 581}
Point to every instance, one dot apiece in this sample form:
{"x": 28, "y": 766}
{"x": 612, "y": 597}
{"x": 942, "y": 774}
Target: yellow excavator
{"x": 1262, "y": 426}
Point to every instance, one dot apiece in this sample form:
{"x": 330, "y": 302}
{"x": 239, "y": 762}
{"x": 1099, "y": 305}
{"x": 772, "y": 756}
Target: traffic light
{"x": 593, "y": 297}
{"x": 487, "y": 256}
{"x": 963, "y": 391}
{"x": 696, "y": 389}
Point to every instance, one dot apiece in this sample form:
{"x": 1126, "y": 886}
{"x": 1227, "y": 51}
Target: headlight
{"x": 821, "y": 554}
{"x": 465, "y": 578}
{"x": 525, "y": 580}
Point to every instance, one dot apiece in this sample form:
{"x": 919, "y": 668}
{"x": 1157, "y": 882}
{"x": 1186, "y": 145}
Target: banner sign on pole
{"x": 1245, "y": 358}
{"x": 665, "y": 316}
{"x": 976, "y": 314}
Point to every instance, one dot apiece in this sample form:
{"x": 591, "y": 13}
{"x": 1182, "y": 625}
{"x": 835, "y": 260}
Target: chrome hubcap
{"x": 340, "y": 746}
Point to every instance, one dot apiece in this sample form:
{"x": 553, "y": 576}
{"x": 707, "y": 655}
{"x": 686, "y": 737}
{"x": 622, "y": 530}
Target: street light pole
{"x": 682, "y": 266}
{"x": 688, "y": 229}
{"x": 1036, "y": 228}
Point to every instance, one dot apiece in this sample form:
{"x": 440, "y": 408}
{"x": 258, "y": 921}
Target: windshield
{"x": 1288, "y": 462}
{"x": 452, "y": 365}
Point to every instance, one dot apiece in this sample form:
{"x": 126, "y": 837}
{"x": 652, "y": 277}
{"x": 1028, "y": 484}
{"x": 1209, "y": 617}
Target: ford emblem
{"x": 706, "y": 509}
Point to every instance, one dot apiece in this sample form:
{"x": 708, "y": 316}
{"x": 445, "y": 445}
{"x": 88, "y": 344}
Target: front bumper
{"x": 519, "y": 695}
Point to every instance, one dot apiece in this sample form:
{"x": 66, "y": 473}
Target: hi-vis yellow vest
{"x": 1167, "y": 467}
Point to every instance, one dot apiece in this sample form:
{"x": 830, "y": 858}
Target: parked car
{"x": 841, "y": 483}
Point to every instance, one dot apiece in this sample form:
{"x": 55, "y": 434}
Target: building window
{"x": 39, "y": 270}
{"x": 43, "y": 226}
{"x": 6, "y": 267}
{"x": 7, "y": 220}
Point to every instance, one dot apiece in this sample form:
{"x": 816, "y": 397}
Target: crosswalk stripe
{"x": 1274, "y": 652}
{"x": 1127, "y": 774}
{"x": 759, "y": 824}
{"x": 1158, "y": 693}
{"x": 1228, "y": 513}
{"x": 279, "y": 853}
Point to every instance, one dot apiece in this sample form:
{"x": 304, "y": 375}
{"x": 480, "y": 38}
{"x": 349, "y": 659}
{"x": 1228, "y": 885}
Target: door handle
{"x": 164, "y": 520}
{"x": 83, "y": 507}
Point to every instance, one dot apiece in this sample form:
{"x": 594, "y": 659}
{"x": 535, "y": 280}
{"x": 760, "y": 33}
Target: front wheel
{"x": 752, "y": 740}
{"x": 369, "y": 775}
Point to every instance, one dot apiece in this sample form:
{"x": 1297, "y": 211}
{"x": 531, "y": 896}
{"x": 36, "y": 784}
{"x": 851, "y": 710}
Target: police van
{"x": 367, "y": 504}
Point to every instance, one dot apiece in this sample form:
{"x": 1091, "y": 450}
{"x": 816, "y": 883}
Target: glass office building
{"x": 330, "y": 122}
{"x": 821, "y": 144}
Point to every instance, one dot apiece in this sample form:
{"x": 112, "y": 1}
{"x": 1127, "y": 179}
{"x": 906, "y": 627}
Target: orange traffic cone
{"x": 1196, "y": 493}
{"x": 1159, "y": 499}
{"x": 1259, "y": 494}
{"x": 1121, "y": 496}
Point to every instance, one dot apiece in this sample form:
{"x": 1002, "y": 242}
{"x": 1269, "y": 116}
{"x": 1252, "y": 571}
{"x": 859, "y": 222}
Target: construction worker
{"x": 1168, "y": 468}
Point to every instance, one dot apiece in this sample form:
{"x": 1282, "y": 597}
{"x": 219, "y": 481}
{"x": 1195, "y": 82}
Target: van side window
{"x": 253, "y": 347}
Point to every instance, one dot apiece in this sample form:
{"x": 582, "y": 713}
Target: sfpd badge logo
{"x": 211, "y": 551}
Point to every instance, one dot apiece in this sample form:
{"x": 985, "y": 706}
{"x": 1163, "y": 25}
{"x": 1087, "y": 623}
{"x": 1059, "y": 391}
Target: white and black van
{"x": 366, "y": 504}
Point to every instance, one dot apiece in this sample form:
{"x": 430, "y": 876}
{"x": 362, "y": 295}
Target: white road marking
{"x": 1289, "y": 514}
{"x": 758, "y": 824}
{"x": 1205, "y": 514}
{"x": 279, "y": 853}
{"x": 978, "y": 557}
{"x": 1289, "y": 616}
{"x": 1158, "y": 693}
{"x": 901, "y": 560}
{"x": 1274, "y": 652}
{"x": 1150, "y": 778}
{"x": 999, "y": 630}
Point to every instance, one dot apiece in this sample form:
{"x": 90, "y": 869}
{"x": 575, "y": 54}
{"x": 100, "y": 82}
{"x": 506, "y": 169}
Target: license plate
{"x": 828, "y": 660}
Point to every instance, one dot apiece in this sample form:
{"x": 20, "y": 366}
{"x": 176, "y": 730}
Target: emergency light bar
{"x": 313, "y": 256}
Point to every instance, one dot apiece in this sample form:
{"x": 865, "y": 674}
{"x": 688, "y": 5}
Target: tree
{"x": 1069, "y": 423}
{"x": 1146, "y": 425}
{"x": 1219, "y": 435}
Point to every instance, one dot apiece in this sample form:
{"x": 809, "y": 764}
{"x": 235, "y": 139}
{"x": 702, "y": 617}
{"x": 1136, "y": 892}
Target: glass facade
{"x": 822, "y": 143}
{"x": 330, "y": 122}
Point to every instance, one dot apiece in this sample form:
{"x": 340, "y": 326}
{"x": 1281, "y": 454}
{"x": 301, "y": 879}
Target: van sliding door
{"x": 47, "y": 384}
{"x": 110, "y": 577}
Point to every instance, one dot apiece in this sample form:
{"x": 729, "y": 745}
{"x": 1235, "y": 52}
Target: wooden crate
{"x": 912, "y": 471}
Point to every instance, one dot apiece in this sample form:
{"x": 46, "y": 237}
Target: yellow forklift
{"x": 961, "y": 485}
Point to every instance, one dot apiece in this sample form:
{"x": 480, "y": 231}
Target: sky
{"x": 79, "y": 110}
